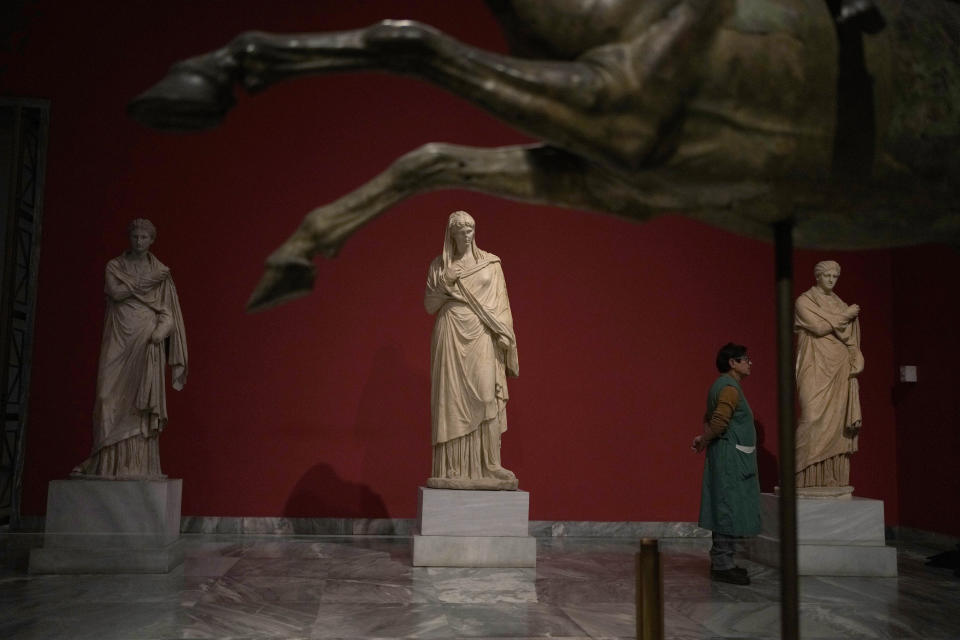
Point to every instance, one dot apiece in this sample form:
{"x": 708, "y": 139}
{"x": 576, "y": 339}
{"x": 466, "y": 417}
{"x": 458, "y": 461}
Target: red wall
{"x": 928, "y": 411}
{"x": 321, "y": 407}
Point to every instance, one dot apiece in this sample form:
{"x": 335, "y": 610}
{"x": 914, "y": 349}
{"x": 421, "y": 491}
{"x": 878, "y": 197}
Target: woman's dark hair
{"x": 728, "y": 351}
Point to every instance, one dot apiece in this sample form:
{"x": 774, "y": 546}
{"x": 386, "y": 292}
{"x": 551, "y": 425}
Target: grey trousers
{"x": 722, "y": 551}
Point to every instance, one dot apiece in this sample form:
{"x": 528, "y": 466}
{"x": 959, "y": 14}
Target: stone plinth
{"x": 473, "y": 513}
{"x": 459, "y": 528}
{"x": 111, "y": 526}
{"x": 835, "y": 537}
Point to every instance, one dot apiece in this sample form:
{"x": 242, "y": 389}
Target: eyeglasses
{"x": 744, "y": 359}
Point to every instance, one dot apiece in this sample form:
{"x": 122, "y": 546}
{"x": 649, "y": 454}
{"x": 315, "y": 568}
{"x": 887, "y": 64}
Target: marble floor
{"x": 257, "y": 587}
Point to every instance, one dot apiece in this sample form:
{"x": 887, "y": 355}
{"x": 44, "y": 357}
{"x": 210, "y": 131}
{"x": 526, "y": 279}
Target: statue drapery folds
{"x": 828, "y": 363}
{"x": 143, "y": 333}
{"x": 472, "y": 352}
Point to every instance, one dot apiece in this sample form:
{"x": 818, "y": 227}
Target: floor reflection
{"x": 257, "y": 587}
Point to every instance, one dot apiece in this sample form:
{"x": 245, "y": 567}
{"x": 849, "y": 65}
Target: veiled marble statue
{"x": 828, "y": 363}
{"x": 142, "y": 334}
{"x": 472, "y": 352}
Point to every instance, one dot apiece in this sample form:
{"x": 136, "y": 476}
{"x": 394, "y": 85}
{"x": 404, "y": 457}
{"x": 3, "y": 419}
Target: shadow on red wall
{"x": 321, "y": 491}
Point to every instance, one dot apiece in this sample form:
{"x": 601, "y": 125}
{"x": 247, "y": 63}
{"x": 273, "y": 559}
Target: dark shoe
{"x": 732, "y": 576}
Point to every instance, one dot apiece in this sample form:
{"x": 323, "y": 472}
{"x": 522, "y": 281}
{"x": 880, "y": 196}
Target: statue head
{"x": 460, "y": 234}
{"x": 144, "y": 224}
{"x": 827, "y": 272}
{"x": 142, "y": 234}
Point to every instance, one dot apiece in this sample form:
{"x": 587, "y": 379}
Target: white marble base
{"x": 111, "y": 526}
{"x": 473, "y": 529}
{"x": 448, "y": 512}
{"x": 842, "y": 537}
{"x": 474, "y": 551}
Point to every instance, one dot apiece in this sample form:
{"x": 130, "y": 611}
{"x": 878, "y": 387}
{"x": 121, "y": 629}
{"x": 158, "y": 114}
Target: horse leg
{"x": 537, "y": 174}
{"x": 609, "y": 105}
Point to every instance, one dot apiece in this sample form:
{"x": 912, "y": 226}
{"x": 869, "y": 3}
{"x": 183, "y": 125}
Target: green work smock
{"x": 730, "y": 498}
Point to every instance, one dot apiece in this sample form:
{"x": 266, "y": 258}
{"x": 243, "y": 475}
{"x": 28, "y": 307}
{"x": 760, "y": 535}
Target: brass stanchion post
{"x": 649, "y": 591}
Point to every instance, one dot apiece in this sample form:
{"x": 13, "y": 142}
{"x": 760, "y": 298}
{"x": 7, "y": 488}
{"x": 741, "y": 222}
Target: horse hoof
{"x": 185, "y": 100}
{"x": 282, "y": 282}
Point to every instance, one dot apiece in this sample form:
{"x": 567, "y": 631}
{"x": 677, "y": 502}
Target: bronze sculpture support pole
{"x": 789, "y": 588}
{"x": 649, "y": 591}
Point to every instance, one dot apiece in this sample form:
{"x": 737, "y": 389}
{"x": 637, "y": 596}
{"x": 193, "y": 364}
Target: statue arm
{"x": 164, "y": 326}
{"x": 814, "y": 320}
{"x": 433, "y": 302}
{"x": 165, "y": 319}
{"x": 439, "y": 292}
{"x": 115, "y": 289}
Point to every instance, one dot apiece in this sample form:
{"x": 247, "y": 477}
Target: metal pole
{"x": 789, "y": 587}
{"x": 649, "y": 591}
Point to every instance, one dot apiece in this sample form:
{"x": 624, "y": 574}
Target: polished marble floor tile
{"x": 264, "y": 589}
{"x": 208, "y": 565}
{"x": 382, "y": 621}
{"x": 231, "y": 619}
{"x": 458, "y": 585}
{"x": 372, "y": 592}
{"x": 603, "y": 620}
{"x": 254, "y": 587}
{"x": 512, "y": 620}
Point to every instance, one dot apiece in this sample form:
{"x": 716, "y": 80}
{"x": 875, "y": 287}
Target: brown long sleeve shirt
{"x": 716, "y": 424}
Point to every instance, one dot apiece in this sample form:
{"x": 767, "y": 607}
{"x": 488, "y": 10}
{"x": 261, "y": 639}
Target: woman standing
{"x": 143, "y": 313}
{"x": 472, "y": 351}
{"x": 730, "y": 494}
{"x": 828, "y": 363}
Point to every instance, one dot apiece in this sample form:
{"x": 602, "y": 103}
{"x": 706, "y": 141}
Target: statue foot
{"x": 841, "y": 492}
{"x": 473, "y": 484}
{"x": 500, "y": 473}
{"x": 282, "y": 281}
{"x": 194, "y": 95}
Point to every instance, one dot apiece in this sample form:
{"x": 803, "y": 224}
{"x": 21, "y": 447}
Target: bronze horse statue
{"x": 739, "y": 113}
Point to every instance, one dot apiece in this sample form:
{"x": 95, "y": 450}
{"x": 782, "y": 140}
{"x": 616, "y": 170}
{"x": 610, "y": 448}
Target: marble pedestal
{"x": 460, "y": 528}
{"x": 835, "y": 537}
{"x": 111, "y": 526}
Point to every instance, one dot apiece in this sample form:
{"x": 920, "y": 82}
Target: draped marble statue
{"x": 142, "y": 333}
{"x": 472, "y": 351}
{"x": 828, "y": 363}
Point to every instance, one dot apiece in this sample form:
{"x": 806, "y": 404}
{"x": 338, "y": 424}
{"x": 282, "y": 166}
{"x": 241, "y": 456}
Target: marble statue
{"x": 645, "y": 107}
{"x": 472, "y": 352}
{"x": 828, "y": 363}
{"x": 143, "y": 333}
